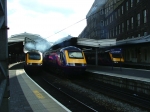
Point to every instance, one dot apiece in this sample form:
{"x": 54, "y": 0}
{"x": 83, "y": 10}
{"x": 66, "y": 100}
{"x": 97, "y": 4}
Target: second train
{"x": 68, "y": 60}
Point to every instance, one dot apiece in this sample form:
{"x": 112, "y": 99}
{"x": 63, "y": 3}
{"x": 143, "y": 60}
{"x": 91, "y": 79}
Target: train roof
{"x": 70, "y": 48}
{"x": 34, "y": 51}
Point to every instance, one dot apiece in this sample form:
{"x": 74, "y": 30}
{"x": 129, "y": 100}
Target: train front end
{"x": 75, "y": 62}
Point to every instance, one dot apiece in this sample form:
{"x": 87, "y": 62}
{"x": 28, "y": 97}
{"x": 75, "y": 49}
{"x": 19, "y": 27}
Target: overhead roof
{"x": 22, "y": 36}
{"x": 31, "y": 41}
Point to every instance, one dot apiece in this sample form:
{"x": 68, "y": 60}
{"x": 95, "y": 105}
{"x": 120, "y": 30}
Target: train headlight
{"x": 39, "y": 64}
{"x": 71, "y": 64}
{"x": 83, "y": 64}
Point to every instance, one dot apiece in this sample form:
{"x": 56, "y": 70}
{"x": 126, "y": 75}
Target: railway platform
{"x": 27, "y": 96}
{"x": 129, "y": 73}
{"x": 136, "y": 80}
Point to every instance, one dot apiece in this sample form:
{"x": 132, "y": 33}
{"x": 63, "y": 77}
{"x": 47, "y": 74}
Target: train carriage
{"x": 67, "y": 60}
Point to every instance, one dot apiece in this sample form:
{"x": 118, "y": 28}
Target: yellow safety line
{"x": 38, "y": 94}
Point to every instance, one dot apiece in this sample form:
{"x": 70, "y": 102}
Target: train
{"x": 33, "y": 59}
{"x": 105, "y": 58}
{"x": 65, "y": 61}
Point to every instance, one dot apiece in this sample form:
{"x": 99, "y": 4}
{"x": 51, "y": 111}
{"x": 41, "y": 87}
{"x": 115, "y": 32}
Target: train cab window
{"x": 34, "y": 56}
{"x": 116, "y": 55}
{"x": 75, "y": 54}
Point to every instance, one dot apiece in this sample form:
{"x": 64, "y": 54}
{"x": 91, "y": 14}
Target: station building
{"x": 127, "y": 21}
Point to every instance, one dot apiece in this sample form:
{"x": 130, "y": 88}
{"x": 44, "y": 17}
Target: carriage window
{"x": 75, "y": 54}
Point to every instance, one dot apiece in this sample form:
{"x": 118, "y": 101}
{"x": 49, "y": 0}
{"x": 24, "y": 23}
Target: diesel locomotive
{"x": 68, "y": 60}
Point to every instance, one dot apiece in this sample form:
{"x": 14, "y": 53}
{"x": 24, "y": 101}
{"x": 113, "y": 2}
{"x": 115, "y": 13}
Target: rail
{"x": 3, "y": 82}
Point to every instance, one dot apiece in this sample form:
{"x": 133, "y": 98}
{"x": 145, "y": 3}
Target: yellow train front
{"x": 68, "y": 60}
{"x": 33, "y": 59}
{"x": 116, "y": 55}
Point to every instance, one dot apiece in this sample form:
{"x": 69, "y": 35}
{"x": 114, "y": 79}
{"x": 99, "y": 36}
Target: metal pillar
{"x": 96, "y": 58}
{"x": 4, "y": 77}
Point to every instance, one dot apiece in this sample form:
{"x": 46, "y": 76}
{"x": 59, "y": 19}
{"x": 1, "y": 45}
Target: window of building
{"x": 122, "y": 10}
{"x": 138, "y": 19}
{"x": 101, "y": 12}
{"x": 122, "y": 27}
{"x": 112, "y": 17}
{"x": 127, "y": 25}
{"x": 102, "y": 33}
{"x": 119, "y": 29}
{"x": 131, "y": 3}
{"x": 139, "y": 35}
{"x": 102, "y": 23}
{"x": 116, "y": 31}
{"x": 107, "y": 21}
{"x": 109, "y": 6}
{"x": 113, "y": 32}
{"x": 145, "y": 33}
{"x": 131, "y": 22}
{"x": 145, "y": 16}
{"x": 127, "y": 6}
{"x": 118, "y": 12}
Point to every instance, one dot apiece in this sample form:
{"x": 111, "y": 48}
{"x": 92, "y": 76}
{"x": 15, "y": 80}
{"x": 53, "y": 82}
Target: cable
{"x": 86, "y": 17}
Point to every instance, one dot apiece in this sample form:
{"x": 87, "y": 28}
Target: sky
{"x": 47, "y": 18}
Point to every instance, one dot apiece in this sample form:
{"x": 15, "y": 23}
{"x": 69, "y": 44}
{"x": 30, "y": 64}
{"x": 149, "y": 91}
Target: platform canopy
{"x": 83, "y": 42}
{"x": 136, "y": 40}
{"x": 101, "y": 43}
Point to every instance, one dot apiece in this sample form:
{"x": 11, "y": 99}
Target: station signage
{"x": 116, "y": 51}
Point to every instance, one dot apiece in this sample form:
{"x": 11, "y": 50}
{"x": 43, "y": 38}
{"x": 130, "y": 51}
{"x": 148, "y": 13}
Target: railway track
{"x": 116, "y": 92}
{"x": 88, "y": 97}
{"x": 71, "y": 99}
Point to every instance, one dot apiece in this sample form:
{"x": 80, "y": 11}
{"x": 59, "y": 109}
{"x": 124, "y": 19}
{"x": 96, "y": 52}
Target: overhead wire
{"x": 82, "y": 20}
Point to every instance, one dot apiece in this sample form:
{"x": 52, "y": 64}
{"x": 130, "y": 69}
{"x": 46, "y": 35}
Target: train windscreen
{"x": 75, "y": 54}
{"x": 34, "y": 56}
{"x": 116, "y": 55}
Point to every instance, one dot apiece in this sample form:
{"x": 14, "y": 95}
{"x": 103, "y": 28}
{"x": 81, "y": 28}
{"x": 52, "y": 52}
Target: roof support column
{"x": 4, "y": 77}
{"x": 96, "y": 56}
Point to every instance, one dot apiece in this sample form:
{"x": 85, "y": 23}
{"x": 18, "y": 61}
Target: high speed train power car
{"x": 33, "y": 59}
{"x": 68, "y": 60}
